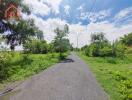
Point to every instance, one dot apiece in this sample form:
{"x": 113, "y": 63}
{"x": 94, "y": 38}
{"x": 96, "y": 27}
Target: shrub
{"x": 25, "y": 60}
{"x": 119, "y": 76}
{"x": 4, "y": 62}
{"x": 125, "y": 88}
{"x": 36, "y": 47}
{"x": 120, "y": 50}
{"x": 111, "y": 60}
{"x": 127, "y": 39}
{"x": 88, "y": 50}
{"x": 106, "y": 51}
{"x": 129, "y": 50}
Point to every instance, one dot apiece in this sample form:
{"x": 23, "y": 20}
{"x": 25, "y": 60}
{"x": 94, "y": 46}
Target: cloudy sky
{"x": 84, "y": 17}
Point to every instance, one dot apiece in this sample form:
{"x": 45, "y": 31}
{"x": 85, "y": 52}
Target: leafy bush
{"x": 25, "y": 60}
{"x": 111, "y": 60}
{"x": 125, "y": 88}
{"x": 99, "y": 50}
{"x": 106, "y": 51}
{"x": 125, "y": 85}
{"x": 127, "y": 39}
{"x": 102, "y": 48}
{"x": 4, "y": 62}
{"x": 119, "y": 76}
{"x": 120, "y": 50}
{"x": 129, "y": 50}
{"x": 89, "y": 50}
{"x": 36, "y": 47}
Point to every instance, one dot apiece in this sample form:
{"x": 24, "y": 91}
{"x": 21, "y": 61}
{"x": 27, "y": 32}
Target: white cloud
{"x": 84, "y": 32}
{"x": 80, "y": 8}
{"x": 47, "y": 26}
{"x": 67, "y": 9}
{"x": 37, "y": 7}
{"x": 123, "y": 13}
{"x": 54, "y": 4}
{"x": 43, "y": 7}
{"x": 93, "y": 17}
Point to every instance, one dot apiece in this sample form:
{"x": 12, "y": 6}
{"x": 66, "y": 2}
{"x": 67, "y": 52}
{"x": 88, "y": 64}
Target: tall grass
{"x": 113, "y": 74}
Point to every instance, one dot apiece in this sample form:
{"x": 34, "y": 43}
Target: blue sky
{"x": 93, "y": 6}
{"x": 113, "y": 17}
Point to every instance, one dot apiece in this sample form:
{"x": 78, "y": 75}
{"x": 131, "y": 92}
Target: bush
{"x": 25, "y": 60}
{"x": 36, "y": 47}
{"x": 120, "y": 50}
{"x": 106, "y": 51}
{"x": 101, "y": 49}
{"x": 88, "y": 50}
{"x": 111, "y": 60}
{"x": 4, "y": 62}
{"x": 125, "y": 88}
{"x": 129, "y": 50}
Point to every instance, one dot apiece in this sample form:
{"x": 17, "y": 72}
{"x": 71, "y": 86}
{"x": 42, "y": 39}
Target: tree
{"x": 99, "y": 37}
{"x": 20, "y": 33}
{"x": 36, "y": 47}
{"x": 61, "y": 44}
{"x": 127, "y": 39}
{"x": 40, "y": 35}
{"x": 99, "y": 42}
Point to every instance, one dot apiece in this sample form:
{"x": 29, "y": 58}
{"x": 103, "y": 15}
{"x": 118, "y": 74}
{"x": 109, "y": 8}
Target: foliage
{"x": 111, "y": 60}
{"x": 125, "y": 85}
{"x": 119, "y": 50}
{"x": 17, "y": 66}
{"x": 65, "y": 45}
{"x": 100, "y": 47}
{"x": 36, "y": 47}
{"x": 4, "y": 62}
{"x": 60, "y": 43}
{"x": 114, "y": 74}
{"x": 19, "y": 31}
{"x": 127, "y": 39}
{"x": 99, "y": 37}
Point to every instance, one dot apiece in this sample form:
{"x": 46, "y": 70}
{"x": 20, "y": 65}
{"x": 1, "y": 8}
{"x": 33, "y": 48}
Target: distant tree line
{"x": 101, "y": 47}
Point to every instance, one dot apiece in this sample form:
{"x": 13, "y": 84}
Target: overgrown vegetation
{"x": 17, "y": 66}
{"x": 101, "y": 47}
{"x": 111, "y": 64}
{"x": 60, "y": 43}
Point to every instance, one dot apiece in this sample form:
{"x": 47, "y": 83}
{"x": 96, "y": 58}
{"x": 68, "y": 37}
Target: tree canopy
{"x": 127, "y": 39}
{"x": 60, "y": 42}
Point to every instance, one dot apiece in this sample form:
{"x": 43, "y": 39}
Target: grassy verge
{"x": 22, "y": 66}
{"x": 114, "y": 75}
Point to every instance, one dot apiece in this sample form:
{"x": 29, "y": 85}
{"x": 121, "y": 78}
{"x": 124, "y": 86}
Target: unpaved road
{"x": 68, "y": 80}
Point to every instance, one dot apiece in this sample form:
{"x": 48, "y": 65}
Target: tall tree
{"x": 61, "y": 44}
{"x": 18, "y": 33}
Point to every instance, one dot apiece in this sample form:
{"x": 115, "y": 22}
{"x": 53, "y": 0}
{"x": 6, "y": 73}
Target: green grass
{"x": 113, "y": 74}
{"x": 24, "y": 65}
